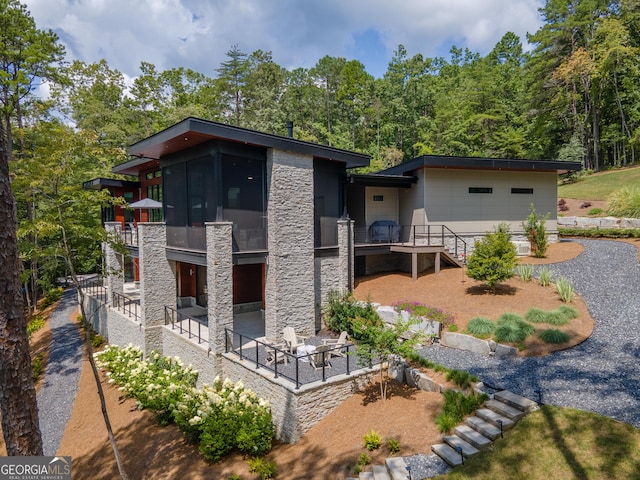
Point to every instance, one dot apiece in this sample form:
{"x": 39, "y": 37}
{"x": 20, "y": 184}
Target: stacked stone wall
{"x": 198, "y": 356}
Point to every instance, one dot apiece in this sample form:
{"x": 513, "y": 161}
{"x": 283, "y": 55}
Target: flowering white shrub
{"x": 222, "y": 416}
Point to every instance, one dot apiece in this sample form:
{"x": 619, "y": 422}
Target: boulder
{"x": 465, "y": 342}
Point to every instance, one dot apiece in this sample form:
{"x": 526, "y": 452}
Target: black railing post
{"x": 240, "y": 338}
{"x": 347, "y": 355}
{"x": 257, "y": 355}
{"x": 226, "y": 340}
{"x": 297, "y": 372}
{"x": 324, "y": 366}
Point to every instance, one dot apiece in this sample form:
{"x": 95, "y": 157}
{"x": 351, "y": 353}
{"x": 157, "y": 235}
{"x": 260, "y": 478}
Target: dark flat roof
{"x": 194, "y": 131}
{"x": 100, "y": 183}
{"x": 478, "y": 163}
{"x": 379, "y": 180}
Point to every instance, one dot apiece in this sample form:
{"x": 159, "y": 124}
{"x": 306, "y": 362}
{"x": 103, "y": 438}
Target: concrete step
{"x": 447, "y": 453}
{"x": 505, "y": 410}
{"x": 457, "y": 443}
{"x": 482, "y": 427}
{"x": 473, "y": 437}
{"x": 397, "y": 468}
{"x": 516, "y": 401}
{"x": 366, "y": 476}
{"x": 494, "y": 418}
{"x": 380, "y": 472}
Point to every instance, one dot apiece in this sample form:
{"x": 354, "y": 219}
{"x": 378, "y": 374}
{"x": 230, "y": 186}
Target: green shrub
{"x": 37, "y": 365}
{"x": 453, "y": 327}
{"x": 556, "y": 317}
{"x": 462, "y": 378}
{"x": 525, "y": 272}
{"x": 393, "y": 445}
{"x": 494, "y": 258}
{"x": 545, "y": 276}
{"x": 481, "y": 327}
{"x": 446, "y": 422}
{"x": 536, "y": 231}
{"x": 594, "y": 211}
{"x": 363, "y": 459}
{"x": 35, "y": 324}
{"x": 535, "y": 315}
{"x": 554, "y": 336}
{"x": 372, "y": 440}
{"x": 456, "y": 406}
{"x": 624, "y": 202}
{"x": 52, "y": 296}
{"x": 343, "y": 308}
{"x": 512, "y": 328}
{"x": 599, "y": 232}
{"x": 266, "y": 468}
{"x": 234, "y": 476}
{"x": 564, "y": 289}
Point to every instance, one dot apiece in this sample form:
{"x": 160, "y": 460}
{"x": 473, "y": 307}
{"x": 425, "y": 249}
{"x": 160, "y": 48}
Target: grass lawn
{"x": 559, "y": 444}
{"x": 600, "y": 185}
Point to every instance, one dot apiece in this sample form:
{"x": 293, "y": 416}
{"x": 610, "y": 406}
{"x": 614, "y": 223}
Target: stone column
{"x": 157, "y": 282}
{"x": 219, "y": 282}
{"x": 113, "y": 262}
{"x": 346, "y": 254}
{"x": 289, "y": 289}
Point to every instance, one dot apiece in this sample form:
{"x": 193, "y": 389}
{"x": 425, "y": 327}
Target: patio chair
{"x": 291, "y": 339}
{"x": 336, "y": 344}
{"x": 321, "y": 357}
{"x": 276, "y": 354}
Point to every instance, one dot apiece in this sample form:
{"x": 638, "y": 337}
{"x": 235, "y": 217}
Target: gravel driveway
{"x": 599, "y": 375}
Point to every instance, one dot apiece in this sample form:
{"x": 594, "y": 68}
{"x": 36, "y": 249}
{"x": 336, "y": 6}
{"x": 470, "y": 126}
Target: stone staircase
{"x": 499, "y": 414}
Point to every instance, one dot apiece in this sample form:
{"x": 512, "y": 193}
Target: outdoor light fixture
{"x": 459, "y": 449}
{"x": 408, "y": 467}
{"x": 501, "y": 430}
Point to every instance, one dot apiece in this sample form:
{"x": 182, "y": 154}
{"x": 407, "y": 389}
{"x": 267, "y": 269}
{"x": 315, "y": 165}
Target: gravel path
{"x": 601, "y": 374}
{"x": 61, "y": 376}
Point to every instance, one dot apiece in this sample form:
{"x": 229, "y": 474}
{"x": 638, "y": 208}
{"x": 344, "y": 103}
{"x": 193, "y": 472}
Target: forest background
{"x": 574, "y": 96}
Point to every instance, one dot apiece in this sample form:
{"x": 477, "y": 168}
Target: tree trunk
{"x": 18, "y": 404}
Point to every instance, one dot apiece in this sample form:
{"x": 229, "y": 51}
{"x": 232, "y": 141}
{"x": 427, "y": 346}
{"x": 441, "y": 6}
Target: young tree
{"x": 536, "y": 231}
{"x": 494, "y": 258}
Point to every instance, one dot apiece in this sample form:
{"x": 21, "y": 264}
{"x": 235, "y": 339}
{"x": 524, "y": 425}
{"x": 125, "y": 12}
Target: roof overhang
{"x": 478, "y": 163}
{"x": 100, "y": 183}
{"x": 379, "y": 180}
{"x": 194, "y": 131}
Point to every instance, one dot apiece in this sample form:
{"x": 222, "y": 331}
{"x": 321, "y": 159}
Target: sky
{"x": 197, "y": 34}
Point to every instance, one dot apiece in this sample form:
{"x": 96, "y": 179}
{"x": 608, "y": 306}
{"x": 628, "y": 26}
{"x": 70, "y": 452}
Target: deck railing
{"x": 293, "y": 367}
{"x": 128, "y": 306}
{"x": 94, "y": 288}
{"x": 185, "y": 324}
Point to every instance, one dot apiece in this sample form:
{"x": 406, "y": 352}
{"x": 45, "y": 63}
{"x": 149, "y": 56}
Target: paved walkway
{"x": 61, "y": 376}
{"x": 599, "y": 375}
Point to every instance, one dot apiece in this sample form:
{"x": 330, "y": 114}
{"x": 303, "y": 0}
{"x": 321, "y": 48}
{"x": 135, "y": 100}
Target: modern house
{"x": 260, "y": 228}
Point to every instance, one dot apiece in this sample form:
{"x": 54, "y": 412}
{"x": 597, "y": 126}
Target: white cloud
{"x": 197, "y": 33}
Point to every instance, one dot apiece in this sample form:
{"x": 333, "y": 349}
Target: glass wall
{"x": 328, "y": 187}
{"x": 217, "y": 186}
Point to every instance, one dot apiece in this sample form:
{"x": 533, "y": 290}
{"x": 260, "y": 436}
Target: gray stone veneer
{"x": 219, "y": 282}
{"x": 191, "y": 353}
{"x": 114, "y": 271}
{"x": 294, "y": 411}
{"x": 289, "y": 289}
{"x": 157, "y": 282}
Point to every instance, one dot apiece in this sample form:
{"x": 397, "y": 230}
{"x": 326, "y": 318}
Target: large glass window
{"x": 328, "y": 184}
{"x": 175, "y": 195}
{"x": 155, "y": 193}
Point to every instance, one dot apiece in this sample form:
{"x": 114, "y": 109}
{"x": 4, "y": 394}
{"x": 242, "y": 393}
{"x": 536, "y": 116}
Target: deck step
{"x": 380, "y": 473}
{"x": 472, "y": 436}
{"x": 505, "y": 410}
{"x": 494, "y": 418}
{"x": 447, "y": 453}
{"x": 397, "y": 467}
{"x": 516, "y": 401}
{"x": 456, "y": 443}
{"x": 482, "y": 427}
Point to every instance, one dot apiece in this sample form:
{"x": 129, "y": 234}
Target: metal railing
{"x": 126, "y": 305}
{"x": 415, "y": 235}
{"x": 293, "y": 367}
{"x": 186, "y": 325}
{"x": 129, "y": 235}
{"x": 94, "y": 288}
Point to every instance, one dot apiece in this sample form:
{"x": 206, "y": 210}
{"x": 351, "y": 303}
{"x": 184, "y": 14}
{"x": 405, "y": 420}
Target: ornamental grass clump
{"x": 545, "y": 276}
{"x": 564, "y": 289}
{"x": 456, "y": 406}
{"x": 525, "y": 272}
{"x": 481, "y": 327}
{"x": 554, "y": 336}
{"x": 511, "y": 328}
{"x": 535, "y": 315}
